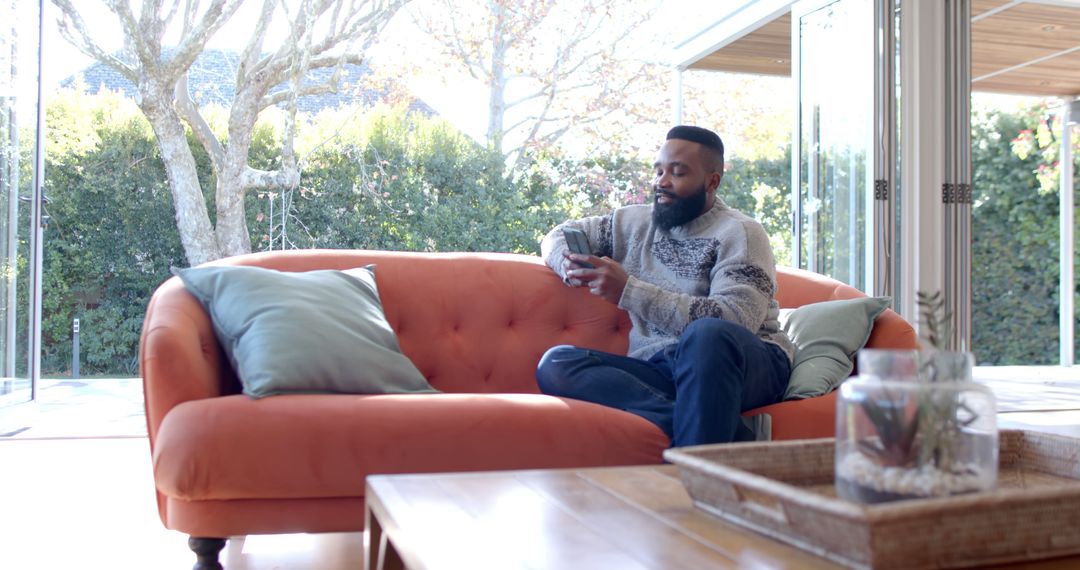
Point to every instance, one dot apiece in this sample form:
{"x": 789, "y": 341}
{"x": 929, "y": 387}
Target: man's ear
{"x": 713, "y": 181}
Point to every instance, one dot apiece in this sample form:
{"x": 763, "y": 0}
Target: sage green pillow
{"x": 301, "y": 333}
{"x": 826, "y": 336}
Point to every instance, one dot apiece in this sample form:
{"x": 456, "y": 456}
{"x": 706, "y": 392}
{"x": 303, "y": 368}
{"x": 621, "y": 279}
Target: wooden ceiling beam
{"x": 1011, "y": 41}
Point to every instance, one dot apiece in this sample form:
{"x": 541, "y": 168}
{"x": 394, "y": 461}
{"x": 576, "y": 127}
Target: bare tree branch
{"x": 250, "y": 58}
{"x": 573, "y": 61}
{"x": 186, "y": 107}
{"x": 73, "y": 29}
{"x": 324, "y": 33}
{"x": 172, "y": 12}
{"x": 279, "y": 97}
{"x": 281, "y": 178}
{"x": 299, "y": 69}
{"x": 544, "y": 92}
{"x": 216, "y": 15}
{"x": 123, "y": 11}
{"x": 454, "y": 42}
{"x": 138, "y": 39}
{"x": 273, "y": 69}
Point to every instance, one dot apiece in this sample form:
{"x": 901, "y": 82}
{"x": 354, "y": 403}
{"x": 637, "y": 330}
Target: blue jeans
{"x": 694, "y": 390}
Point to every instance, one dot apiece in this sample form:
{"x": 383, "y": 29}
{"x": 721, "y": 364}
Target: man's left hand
{"x": 607, "y": 279}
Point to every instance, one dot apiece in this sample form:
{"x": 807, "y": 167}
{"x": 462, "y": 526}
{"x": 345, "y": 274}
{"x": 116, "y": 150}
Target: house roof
{"x": 211, "y": 80}
{"x": 1025, "y": 47}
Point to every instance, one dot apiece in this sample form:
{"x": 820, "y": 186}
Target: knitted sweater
{"x": 719, "y": 264}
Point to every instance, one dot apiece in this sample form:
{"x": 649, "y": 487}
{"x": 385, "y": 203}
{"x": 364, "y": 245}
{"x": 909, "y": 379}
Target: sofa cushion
{"x": 826, "y": 336}
{"x": 322, "y": 446}
{"x": 305, "y": 332}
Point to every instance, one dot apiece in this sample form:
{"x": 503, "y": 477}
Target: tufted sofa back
{"x": 479, "y": 322}
{"x": 471, "y": 322}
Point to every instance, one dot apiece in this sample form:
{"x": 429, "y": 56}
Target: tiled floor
{"x": 1041, "y": 398}
{"x": 77, "y": 491}
{"x": 109, "y": 407}
{"x": 89, "y": 503}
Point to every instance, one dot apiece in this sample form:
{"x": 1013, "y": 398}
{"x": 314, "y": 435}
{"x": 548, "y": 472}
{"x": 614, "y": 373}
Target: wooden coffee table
{"x": 614, "y": 517}
{"x": 600, "y": 518}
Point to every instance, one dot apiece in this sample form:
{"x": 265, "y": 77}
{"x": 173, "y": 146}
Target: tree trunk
{"x": 192, "y": 218}
{"x": 232, "y": 182}
{"x": 497, "y": 92}
{"x": 319, "y": 32}
{"x": 232, "y": 232}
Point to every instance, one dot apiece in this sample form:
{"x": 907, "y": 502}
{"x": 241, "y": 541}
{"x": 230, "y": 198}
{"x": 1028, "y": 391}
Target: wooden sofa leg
{"x": 206, "y": 552}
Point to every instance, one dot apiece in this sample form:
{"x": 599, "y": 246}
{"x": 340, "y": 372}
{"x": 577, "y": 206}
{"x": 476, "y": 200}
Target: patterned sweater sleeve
{"x": 742, "y": 286}
{"x": 596, "y": 228}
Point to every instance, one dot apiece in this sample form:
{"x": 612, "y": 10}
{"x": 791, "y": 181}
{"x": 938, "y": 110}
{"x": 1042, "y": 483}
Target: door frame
{"x": 881, "y": 271}
{"x": 16, "y": 411}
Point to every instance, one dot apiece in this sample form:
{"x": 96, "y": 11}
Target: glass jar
{"x": 914, "y": 425}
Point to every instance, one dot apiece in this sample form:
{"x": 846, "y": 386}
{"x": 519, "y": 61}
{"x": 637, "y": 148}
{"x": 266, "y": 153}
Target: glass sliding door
{"x": 20, "y": 202}
{"x": 835, "y": 54}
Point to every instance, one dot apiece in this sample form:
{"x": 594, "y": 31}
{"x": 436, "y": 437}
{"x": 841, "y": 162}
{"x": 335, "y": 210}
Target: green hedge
{"x": 390, "y": 180}
{"x": 1015, "y": 241}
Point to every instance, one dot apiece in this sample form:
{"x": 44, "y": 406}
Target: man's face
{"x": 683, "y": 190}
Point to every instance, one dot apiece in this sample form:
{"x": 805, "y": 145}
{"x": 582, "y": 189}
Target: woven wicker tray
{"x": 785, "y": 490}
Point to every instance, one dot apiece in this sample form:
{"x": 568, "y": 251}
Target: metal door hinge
{"x": 881, "y": 189}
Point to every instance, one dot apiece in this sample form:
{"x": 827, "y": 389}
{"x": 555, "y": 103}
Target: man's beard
{"x": 679, "y": 211}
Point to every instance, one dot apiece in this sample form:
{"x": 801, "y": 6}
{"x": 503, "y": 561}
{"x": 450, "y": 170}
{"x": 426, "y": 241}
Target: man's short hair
{"x": 712, "y": 148}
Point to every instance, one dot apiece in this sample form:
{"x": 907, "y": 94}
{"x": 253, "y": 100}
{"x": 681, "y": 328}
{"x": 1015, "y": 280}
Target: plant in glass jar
{"x": 913, "y": 424}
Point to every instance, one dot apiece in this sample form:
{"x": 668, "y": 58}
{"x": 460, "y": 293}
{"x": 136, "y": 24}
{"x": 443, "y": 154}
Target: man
{"x": 699, "y": 281}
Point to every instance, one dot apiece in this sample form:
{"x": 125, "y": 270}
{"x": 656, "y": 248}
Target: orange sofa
{"x": 475, "y": 324}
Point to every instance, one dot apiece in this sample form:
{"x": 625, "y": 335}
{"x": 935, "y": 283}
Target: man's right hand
{"x": 570, "y": 263}
{"x": 605, "y": 279}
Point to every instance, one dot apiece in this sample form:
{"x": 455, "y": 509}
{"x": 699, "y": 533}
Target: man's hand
{"x": 607, "y": 279}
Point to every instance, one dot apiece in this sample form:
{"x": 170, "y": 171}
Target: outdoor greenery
{"x": 382, "y": 178}
{"x": 110, "y": 236}
{"x": 1015, "y": 237}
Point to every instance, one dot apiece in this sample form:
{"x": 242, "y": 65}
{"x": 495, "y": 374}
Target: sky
{"x": 64, "y": 59}
{"x": 465, "y": 105}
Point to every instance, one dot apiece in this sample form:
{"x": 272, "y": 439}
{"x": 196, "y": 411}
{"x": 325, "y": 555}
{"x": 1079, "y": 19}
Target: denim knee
{"x": 713, "y": 330}
{"x": 716, "y": 347}
{"x": 551, "y": 372}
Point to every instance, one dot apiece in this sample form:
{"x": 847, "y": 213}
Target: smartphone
{"x": 577, "y": 243}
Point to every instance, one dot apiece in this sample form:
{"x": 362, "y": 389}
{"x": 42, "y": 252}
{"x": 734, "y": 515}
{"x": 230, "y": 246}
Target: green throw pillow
{"x": 314, "y": 332}
{"x": 826, "y": 336}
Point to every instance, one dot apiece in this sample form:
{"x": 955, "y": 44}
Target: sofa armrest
{"x": 892, "y": 331}
{"x": 179, "y": 355}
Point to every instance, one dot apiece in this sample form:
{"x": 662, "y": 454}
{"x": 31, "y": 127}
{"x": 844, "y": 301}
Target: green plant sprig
{"x": 927, "y": 435}
{"x": 935, "y": 319}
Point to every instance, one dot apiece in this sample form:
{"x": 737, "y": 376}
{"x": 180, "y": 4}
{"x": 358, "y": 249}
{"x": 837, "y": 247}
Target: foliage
{"x": 594, "y": 185}
{"x": 322, "y": 35}
{"x": 896, "y": 428}
{"x": 110, "y": 238}
{"x": 1015, "y": 237}
{"x": 383, "y": 179}
{"x": 754, "y": 115}
{"x": 390, "y": 180}
{"x": 1015, "y": 254}
{"x": 410, "y": 183}
{"x": 762, "y": 188}
{"x": 934, "y": 319}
